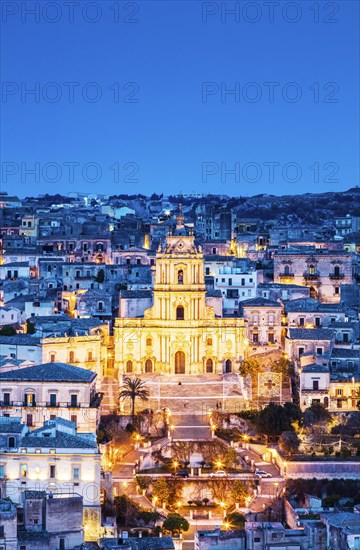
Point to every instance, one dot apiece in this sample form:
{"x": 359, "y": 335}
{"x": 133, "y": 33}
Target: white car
{"x": 261, "y": 473}
{"x": 219, "y": 473}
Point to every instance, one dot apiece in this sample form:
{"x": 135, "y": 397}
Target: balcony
{"x": 286, "y": 275}
{"x": 311, "y": 276}
{"x": 336, "y": 276}
{"x": 94, "y": 403}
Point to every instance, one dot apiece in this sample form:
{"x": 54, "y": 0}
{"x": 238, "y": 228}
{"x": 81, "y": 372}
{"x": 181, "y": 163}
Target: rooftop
{"x": 310, "y": 334}
{"x": 49, "y": 372}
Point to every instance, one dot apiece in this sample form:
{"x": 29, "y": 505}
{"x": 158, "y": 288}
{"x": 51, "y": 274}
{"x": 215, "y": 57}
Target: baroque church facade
{"x": 181, "y": 333}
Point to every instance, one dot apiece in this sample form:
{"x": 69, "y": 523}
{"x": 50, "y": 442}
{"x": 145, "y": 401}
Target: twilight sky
{"x": 149, "y": 96}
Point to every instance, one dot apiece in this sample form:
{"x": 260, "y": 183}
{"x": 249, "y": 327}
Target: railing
{"x": 336, "y": 276}
{"x": 286, "y": 275}
{"x": 311, "y": 276}
{"x": 94, "y": 403}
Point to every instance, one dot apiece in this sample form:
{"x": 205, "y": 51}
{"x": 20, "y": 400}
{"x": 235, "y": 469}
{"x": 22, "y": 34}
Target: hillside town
{"x": 180, "y": 372}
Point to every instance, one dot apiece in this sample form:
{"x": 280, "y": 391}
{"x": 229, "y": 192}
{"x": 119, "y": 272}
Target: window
{"x": 317, "y": 321}
{"x": 52, "y": 471}
{"x": 336, "y": 270}
{"x": 271, "y": 319}
{"x": 149, "y": 341}
{"x": 73, "y": 400}
{"x": 11, "y": 442}
{"x": 71, "y": 357}
{"x": 6, "y": 399}
{"x": 301, "y": 321}
{"x": 73, "y": 418}
{"x": 230, "y": 281}
{"x": 76, "y": 473}
{"x": 315, "y": 384}
{"x": 23, "y": 470}
{"x": 312, "y": 270}
{"x": 319, "y": 351}
{"x": 339, "y": 391}
{"x": 337, "y": 290}
{"x": 209, "y": 341}
{"x": 180, "y": 314}
{"x": 345, "y": 337}
{"x": 52, "y": 357}
{"x": 53, "y": 400}
{"x": 301, "y": 351}
{"x": 148, "y": 366}
{"x": 255, "y": 337}
{"x": 228, "y": 365}
{"x": 29, "y": 420}
{"x": 29, "y": 399}
{"x": 271, "y": 338}
{"x": 2, "y": 533}
{"x": 90, "y": 356}
{"x": 209, "y": 366}
{"x": 2, "y": 471}
{"x": 100, "y": 306}
{"x": 138, "y": 261}
{"x": 286, "y": 270}
{"x": 207, "y": 271}
{"x": 129, "y": 367}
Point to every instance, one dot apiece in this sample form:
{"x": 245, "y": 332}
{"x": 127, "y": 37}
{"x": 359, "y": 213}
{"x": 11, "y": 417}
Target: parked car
{"x": 219, "y": 473}
{"x": 261, "y": 473}
{"x": 181, "y": 473}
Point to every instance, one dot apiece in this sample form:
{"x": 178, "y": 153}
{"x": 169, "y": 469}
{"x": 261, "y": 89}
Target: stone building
{"x": 8, "y": 525}
{"x": 52, "y": 458}
{"x": 180, "y": 333}
{"x": 318, "y": 341}
{"x": 322, "y": 270}
{"x": 44, "y": 392}
{"x": 263, "y": 319}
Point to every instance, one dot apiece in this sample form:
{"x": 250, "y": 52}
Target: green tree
{"x": 239, "y": 491}
{"x": 7, "y": 330}
{"x": 134, "y": 388}
{"x": 316, "y": 414}
{"x": 230, "y": 458}
{"x": 250, "y": 367}
{"x": 160, "y": 489}
{"x": 235, "y": 520}
{"x": 289, "y": 442}
{"x": 175, "y": 523}
{"x": 282, "y": 366}
{"x": 273, "y": 420}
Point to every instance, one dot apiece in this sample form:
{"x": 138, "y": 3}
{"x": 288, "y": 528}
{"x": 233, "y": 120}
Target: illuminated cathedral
{"x": 181, "y": 334}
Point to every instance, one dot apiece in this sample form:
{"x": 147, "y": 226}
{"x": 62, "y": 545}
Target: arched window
{"x": 311, "y": 270}
{"x": 209, "y": 366}
{"x": 180, "y": 277}
{"x": 52, "y": 357}
{"x": 286, "y": 270}
{"x": 148, "y": 366}
{"x": 149, "y": 341}
{"x": 228, "y": 365}
{"x": 129, "y": 367}
{"x": 71, "y": 357}
{"x": 179, "y": 362}
{"x": 90, "y": 355}
{"x": 209, "y": 341}
{"x": 336, "y": 270}
{"x": 180, "y": 314}
{"x": 11, "y": 442}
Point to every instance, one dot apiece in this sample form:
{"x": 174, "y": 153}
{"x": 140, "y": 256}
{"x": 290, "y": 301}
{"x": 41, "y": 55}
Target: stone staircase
{"x": 190, "y": 428}
{"x": 110, "y": 389}
{"x": 195, "y": 394}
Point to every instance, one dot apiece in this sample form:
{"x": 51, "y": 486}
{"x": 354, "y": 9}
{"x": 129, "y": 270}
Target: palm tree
{"x": 134, "y": 388}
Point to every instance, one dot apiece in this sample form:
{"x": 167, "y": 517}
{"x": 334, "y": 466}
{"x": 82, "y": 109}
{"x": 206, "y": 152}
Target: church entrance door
{"x": 179, "y": 362}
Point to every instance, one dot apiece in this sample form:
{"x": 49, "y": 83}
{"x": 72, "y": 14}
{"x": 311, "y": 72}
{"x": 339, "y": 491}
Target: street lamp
{"x": 218, "y": 465}
{"x": 175, "y": 465}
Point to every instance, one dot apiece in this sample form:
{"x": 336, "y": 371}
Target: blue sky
{"x": 131, "y": 97}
